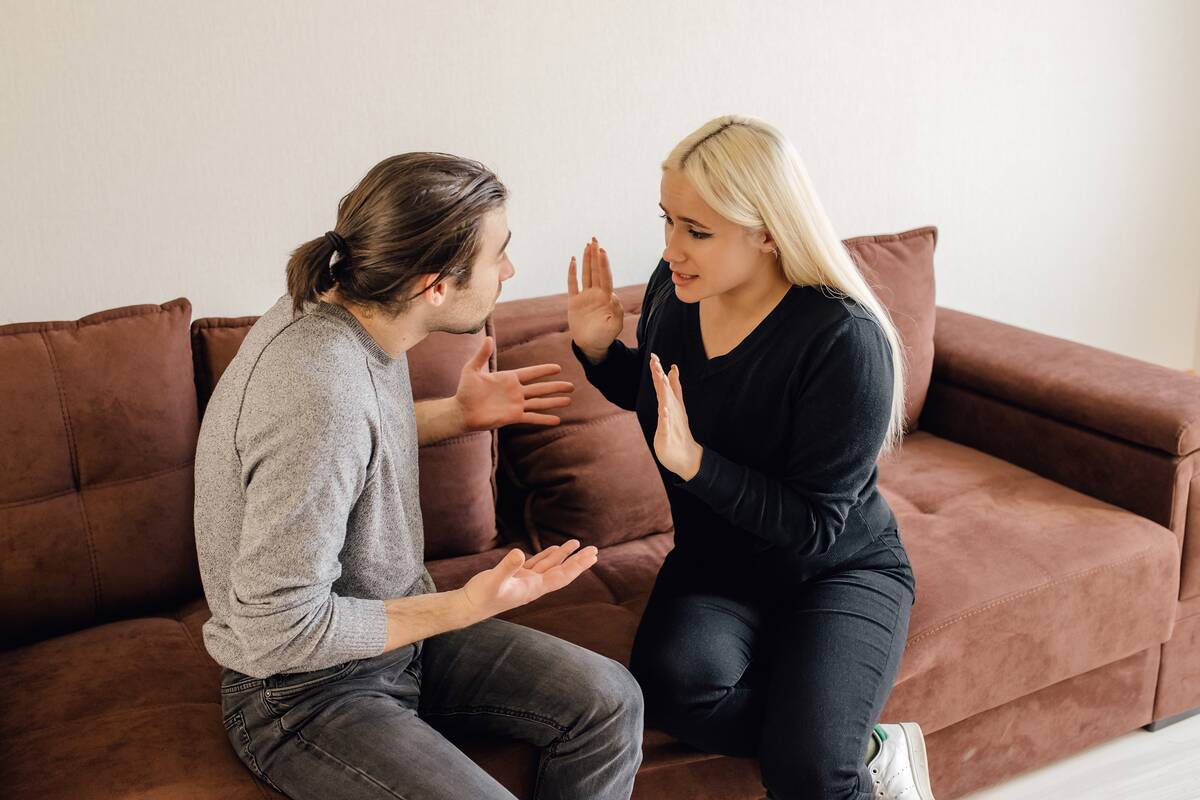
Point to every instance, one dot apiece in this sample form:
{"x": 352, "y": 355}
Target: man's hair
{"x": 413, "y": 214}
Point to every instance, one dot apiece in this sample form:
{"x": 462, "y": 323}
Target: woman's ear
{"x": 764, "y": 242}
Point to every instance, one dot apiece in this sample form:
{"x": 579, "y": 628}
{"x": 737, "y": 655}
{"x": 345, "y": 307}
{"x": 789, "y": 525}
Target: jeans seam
{"x": 895, "y": 620}
{"x": 509, "y": 712}
{"x": 350, "y": 767}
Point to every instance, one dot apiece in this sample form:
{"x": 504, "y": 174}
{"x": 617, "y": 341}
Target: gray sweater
{"x": 307, "y": 511}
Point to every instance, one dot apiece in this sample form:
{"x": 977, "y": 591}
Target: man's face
{"x": 467, "y": 307}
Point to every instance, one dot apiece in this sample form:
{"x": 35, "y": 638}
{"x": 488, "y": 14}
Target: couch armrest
{"x": 1119, "y": 429}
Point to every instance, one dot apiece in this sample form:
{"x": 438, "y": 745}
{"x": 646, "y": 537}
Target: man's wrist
{"x": 458, "y": 416}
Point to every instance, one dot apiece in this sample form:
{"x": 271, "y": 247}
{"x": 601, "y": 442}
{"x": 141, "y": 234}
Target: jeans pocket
{"x": 288, "y": 685}
{"x": 239, "y": 737}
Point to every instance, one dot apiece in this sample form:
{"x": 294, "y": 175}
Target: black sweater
{"x": 791, "y": 422}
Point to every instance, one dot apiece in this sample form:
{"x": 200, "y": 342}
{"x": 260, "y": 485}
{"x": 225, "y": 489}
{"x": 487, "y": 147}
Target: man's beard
{"x": 468, "y": 327}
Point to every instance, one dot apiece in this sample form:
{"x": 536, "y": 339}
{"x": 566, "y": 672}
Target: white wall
{"x": 158, "y": 149}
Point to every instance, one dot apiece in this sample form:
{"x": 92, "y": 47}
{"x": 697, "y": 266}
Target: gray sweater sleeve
{"x": 305, "y": 439}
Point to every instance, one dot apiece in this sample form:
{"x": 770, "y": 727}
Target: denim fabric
{"x": 376, "y": 727}
{"x": 795, "y": 672}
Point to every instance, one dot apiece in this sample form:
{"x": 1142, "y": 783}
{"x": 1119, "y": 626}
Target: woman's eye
{"x": 695, "y": 234}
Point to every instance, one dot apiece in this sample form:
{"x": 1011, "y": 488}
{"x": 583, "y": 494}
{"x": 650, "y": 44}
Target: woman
{"x": 768, "y": 380}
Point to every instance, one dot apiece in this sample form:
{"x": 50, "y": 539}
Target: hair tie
{"x": 339, "y": 244}
{"x": 339, "y": 250}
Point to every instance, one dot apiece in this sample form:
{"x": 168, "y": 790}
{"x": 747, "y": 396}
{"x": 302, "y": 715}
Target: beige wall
{"x": 158, "y": 149}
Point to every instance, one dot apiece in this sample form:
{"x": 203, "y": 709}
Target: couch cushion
{"x": 458, "y": 476}
{"x": 96, "y": 446}
{"x": 566, "y": 473}
{"x": 899, "y": 267}
{"x": 1021, "y": 582}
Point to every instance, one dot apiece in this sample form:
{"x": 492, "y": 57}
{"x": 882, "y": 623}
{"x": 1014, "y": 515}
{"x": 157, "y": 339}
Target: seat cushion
{"x": 127, "y": 709}
{"x": 1021, "y": 582}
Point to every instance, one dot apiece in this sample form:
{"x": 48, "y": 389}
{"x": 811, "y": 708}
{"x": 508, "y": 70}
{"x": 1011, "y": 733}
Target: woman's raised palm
{"x": 594, "y": 313}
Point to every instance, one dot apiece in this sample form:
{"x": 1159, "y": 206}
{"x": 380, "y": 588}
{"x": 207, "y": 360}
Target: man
{"x": 343, "y": 666}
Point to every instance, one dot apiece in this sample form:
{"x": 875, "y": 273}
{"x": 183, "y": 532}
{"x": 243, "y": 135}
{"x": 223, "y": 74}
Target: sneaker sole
{"x": 916, "y": 755}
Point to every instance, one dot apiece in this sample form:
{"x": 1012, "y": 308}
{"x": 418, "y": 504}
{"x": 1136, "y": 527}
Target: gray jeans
{"x": 374, "y": 728}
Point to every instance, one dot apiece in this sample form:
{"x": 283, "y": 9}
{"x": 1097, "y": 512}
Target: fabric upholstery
{"x": 96, "y": 446}
{"x": 573, "y": 471}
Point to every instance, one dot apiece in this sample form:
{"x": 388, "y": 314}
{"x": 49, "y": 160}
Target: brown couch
{"x": 1048, "y": 494}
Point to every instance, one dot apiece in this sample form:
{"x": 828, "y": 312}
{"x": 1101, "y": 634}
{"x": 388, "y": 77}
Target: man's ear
{"x": 436, "y": 295}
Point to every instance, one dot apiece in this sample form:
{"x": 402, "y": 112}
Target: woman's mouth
{"x": 681, "y": 278}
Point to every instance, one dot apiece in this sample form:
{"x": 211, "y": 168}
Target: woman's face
{"x": 720, "y": 254}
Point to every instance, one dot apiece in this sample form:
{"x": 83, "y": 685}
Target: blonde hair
{"x": 750, "y": 174}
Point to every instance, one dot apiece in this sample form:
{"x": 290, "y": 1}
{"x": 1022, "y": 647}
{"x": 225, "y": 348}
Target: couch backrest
{"x": 97, "y": 435}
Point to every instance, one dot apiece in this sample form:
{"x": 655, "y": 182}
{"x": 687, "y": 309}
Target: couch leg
{"x": 1159, "y": 724}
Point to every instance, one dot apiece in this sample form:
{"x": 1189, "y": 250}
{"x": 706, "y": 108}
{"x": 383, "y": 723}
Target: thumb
{"x": 511, "y": 562}
{"x": 480, "y": 359}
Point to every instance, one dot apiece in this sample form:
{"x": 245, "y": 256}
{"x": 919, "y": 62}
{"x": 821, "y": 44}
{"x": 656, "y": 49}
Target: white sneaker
{"x": 899, "y": 770}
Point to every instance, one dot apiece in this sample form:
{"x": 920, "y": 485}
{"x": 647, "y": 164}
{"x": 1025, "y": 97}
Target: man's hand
{"x": 516, "y": 581}
{"x": 677, "y": 451}
{"x": 491, "y": 399}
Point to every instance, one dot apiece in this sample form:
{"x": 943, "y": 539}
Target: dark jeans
{"x": 373, "y": 728}
{"x": 793, "y": 672}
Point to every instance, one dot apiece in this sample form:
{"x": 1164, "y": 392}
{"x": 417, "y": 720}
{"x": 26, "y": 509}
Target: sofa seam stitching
{"x": 76, "y": 474}
{"x": 105, "y": 485}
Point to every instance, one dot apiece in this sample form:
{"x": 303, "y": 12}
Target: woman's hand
{"x": 491, "y": 399}
{"x": 677, "y": 451}
{"x": 515, "y": 581}
{"x": 594, "y": 314}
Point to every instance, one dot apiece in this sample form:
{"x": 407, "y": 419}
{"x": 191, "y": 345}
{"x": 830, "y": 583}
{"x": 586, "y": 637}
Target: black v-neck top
{"x": 791, "y": 421}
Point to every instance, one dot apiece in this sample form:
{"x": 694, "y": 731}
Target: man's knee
{"x": 619, "y": 696}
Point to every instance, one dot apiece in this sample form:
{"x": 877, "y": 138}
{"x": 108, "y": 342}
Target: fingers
{"x": 572, "y": 281}
{"x": 605, "y": 272}
{"x": 559, "y": 576}
{"x": 511, "y": 562}
{"x": 480, "y": 359}
{"x": 552, "y": 556}
{"x": 530, "y": 418}
{"x": 533, "y": 561}
{"x": 676, "y": 385}
{"x": 545, "y": 403}
{"x": 527, "y": 374}
{"x": 660, "y": 385}
{"x": 587, "y": 265}
{"x": 548, "y": 387}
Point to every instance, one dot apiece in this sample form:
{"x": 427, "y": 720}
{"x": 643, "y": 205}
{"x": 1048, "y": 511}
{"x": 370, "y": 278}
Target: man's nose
{"x": 508, "y": 271}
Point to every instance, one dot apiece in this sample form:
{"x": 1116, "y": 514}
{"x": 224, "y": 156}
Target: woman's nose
{"x": 672, "y": 253}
